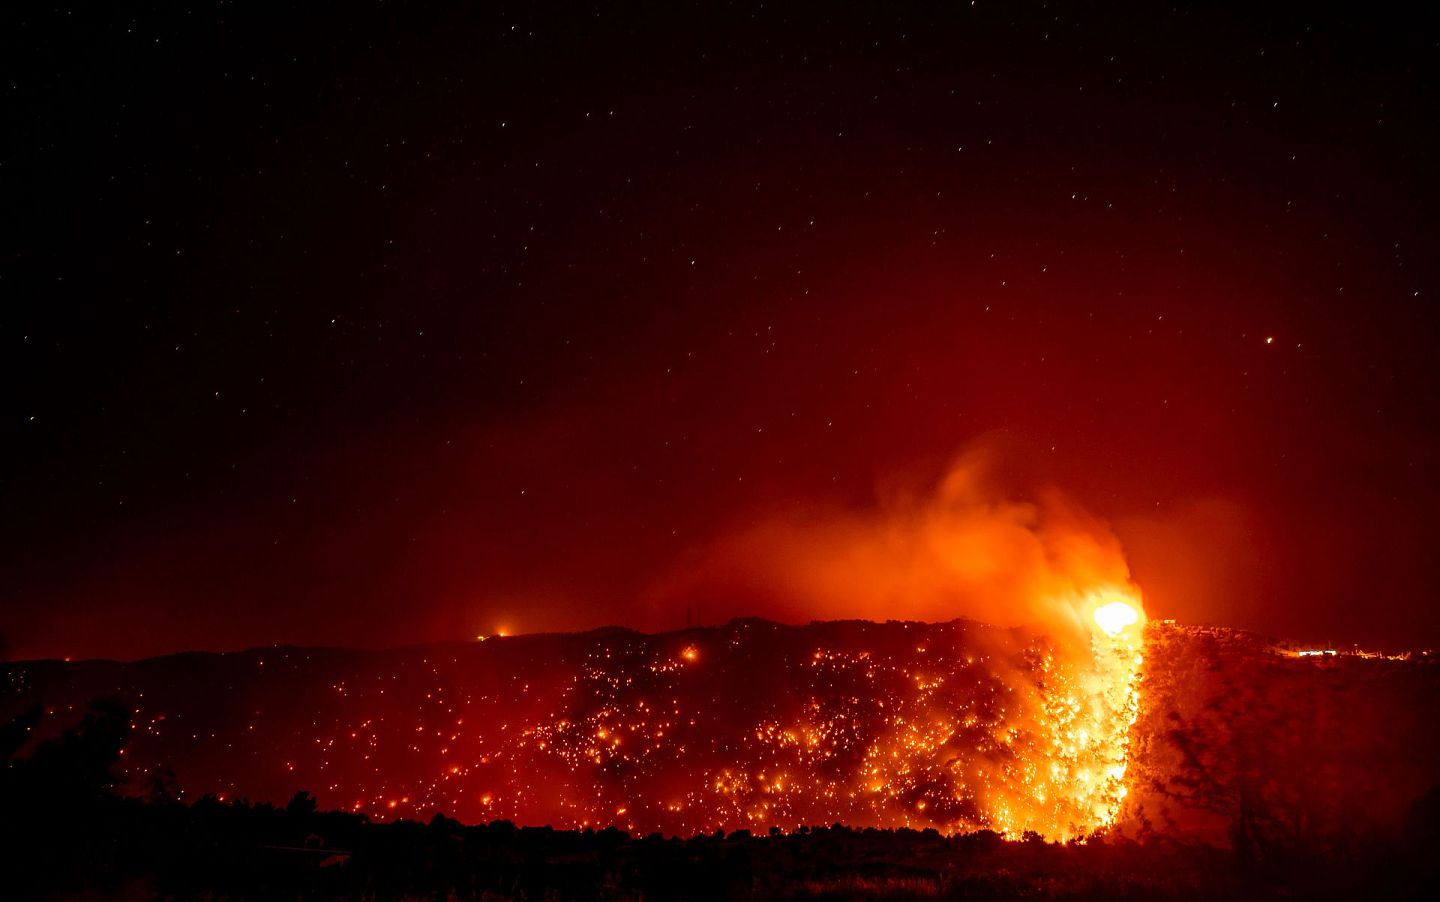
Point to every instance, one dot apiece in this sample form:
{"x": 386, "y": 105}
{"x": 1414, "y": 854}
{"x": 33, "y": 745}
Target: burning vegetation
{"x": 755, "y": 725}
{"x": 752, "y": 725}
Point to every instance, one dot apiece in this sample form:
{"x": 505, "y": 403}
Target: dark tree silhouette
{"x": 73, "y": 770}
{"x": 301, "y": 804}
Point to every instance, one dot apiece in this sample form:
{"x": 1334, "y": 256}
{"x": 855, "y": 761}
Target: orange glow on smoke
{"x": 931, "y": 550}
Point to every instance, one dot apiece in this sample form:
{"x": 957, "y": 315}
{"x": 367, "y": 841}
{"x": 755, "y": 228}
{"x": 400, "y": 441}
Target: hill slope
{"x": 754, "y": 724}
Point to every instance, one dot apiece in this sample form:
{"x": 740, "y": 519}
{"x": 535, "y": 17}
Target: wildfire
{"x": 1019, "y": 725}
{"x": 957, "y": 726}
{"x": 963, "y": 546}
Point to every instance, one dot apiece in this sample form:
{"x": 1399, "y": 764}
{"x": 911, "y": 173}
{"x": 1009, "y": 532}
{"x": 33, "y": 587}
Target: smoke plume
{"x": 957, "y": 547}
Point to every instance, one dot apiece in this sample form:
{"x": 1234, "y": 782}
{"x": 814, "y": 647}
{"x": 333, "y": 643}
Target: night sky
{"x": 366, "y": 325}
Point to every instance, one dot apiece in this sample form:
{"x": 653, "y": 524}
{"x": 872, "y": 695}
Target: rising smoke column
{"x": 956, "y": 546}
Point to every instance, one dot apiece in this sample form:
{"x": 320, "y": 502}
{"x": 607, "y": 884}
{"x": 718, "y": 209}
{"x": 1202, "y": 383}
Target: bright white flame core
{"x": 1115, "y": 616}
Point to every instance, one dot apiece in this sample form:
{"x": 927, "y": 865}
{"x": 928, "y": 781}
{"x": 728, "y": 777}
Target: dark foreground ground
{"x": 140, "y": 850}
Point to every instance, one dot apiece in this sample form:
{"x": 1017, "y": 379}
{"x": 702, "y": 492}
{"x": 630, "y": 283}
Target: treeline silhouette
{"x": 67, "y": 832}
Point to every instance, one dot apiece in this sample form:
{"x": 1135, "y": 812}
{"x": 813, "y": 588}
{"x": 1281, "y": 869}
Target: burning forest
{"x": 957, "y": 726}
{"x": 1193, "y": 734}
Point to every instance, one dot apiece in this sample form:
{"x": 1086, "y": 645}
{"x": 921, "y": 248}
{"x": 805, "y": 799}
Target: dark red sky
{"x": 374, "y": 326}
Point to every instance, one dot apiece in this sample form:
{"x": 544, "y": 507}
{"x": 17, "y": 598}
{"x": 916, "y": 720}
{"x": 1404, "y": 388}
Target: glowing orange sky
{"x": 464, "y": 330}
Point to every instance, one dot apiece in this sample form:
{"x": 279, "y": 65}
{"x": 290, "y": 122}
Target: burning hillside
{"x": 751, "y": 725}
{"x": 956, "y": 725}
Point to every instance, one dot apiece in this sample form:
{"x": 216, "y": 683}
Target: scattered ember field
{"x": 755, "y": 725}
